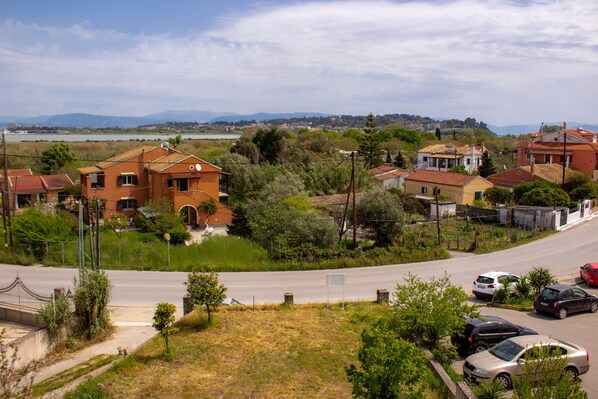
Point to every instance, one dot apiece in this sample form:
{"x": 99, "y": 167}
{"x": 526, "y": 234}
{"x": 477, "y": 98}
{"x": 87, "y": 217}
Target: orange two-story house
{"x": 130, "y": 180}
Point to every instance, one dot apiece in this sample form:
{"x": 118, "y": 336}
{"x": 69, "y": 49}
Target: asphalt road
{"x": 562, "y": 253}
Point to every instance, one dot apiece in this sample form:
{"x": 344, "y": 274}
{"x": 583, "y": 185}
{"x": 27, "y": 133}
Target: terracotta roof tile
{"x": 447, "y": 178}
{"x": 135, "y": 152}
{"x": 56, "y": 182}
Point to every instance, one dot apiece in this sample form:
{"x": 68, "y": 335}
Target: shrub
{"x": 445, "y": 354}
{"x": 57, "y": 317}
{"x": 501, "y": 295}
{"x": 539, "y": 278}
{"x": 92, "y": 295}
{"x": 488, "y": 390}
{"x": 164, "y": 320}
{"x": 523, "y": 288}
{"x": 179, "y": 235}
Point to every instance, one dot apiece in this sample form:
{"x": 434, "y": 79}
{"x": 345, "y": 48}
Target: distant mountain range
{"x": 104, "y": 121}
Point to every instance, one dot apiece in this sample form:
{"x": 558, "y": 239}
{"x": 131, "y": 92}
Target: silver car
{"x": 505, "y": 360}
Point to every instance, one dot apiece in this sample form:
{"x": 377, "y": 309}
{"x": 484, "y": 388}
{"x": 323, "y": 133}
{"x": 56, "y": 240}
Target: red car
{"x": 589, "y": 273}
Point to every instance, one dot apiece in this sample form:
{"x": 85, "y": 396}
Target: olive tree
{"x": 204, "y": 289}
{"x": 92, "y": 296}
{"x": 389, "y": 367}
{"x": 429, "y": 311}
{"x": 381, "y": 214}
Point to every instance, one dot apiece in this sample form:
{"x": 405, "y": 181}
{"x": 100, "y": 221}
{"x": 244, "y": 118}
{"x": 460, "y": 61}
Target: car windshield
{"x": 549, "y": 293}
{"x": 485, "y": 280}
{"x": 506, "y": 350}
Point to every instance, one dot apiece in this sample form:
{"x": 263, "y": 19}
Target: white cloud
{"x": 494, "y": 60}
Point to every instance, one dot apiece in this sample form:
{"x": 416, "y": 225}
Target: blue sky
{"x": 503, "y": 62}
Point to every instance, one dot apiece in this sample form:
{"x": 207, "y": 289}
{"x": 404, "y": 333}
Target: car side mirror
{"x": 521, "y": 361}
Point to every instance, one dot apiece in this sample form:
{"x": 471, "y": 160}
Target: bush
{"x": 179, "y": 235}
{"x": 92, "y": 296}
{"x": 445, "y": 354}
{"x": 57, "y": 317}
{"x": 539, "y": 278}
{"x": 488, "y": 390}
{"x": 501, "y": 295}
{"x": 523, "y": 288}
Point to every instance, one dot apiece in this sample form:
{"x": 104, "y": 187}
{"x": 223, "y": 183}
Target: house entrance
{"x": 189, "y": 215}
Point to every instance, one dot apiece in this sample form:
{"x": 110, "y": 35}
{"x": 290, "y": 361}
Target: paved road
{"x": 563, "y": 253}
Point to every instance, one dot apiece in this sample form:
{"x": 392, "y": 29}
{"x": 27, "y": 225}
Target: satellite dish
{"x": 197, "y": 167}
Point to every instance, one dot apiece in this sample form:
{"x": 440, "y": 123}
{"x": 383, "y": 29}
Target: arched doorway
{"x": 189, "y": 215}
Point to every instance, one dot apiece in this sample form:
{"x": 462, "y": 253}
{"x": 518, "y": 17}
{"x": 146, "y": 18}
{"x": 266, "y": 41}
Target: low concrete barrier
{"x": 33, "y": 346}
{"x": 457, "y": 391}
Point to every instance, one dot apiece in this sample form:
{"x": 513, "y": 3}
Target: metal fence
{"x": 20, "y": 297}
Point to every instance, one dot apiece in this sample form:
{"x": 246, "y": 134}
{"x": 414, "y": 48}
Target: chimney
{"x": 564, "y": 125}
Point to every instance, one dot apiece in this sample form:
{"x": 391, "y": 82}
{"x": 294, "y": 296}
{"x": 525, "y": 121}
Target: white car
{"x": 487, "y": 283}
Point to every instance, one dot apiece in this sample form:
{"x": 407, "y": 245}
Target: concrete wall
{"x": 33, "y": 346}
{"x": 19, "y": 316}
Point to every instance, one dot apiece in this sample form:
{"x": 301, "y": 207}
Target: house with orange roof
{"x": 390, "y": 176}
{"x": 571, "y": 148}
{"x": 129, "y": 181}
{"x": 442, "y": 157}
{"x": 25, "y": 189}
{"x": 461, "y": 188}
{"x": 550, "y": 172}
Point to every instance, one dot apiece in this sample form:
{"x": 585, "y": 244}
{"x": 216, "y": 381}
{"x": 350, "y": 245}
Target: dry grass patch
{"x": 272, "y": 352}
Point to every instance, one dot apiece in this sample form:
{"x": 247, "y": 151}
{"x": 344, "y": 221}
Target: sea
{"x": 17, "y": 137}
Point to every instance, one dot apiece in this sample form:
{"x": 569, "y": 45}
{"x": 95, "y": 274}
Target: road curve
{"x": 562, "y": 253}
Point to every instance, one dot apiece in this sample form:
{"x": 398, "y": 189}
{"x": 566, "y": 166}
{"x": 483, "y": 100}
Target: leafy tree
{"x": 245, "y": 176}
{"x": 204, "y": 289}
{"x": 498, "y": 195}
{"x": 175, "y": 141}
{"x": 458, "y": 169}
{"x": 35, "y": 226}
{"x": 164, "y": 321}
{"x": 370, "y": 145}
{"x": 487, "y": 167}
{"x": 390, "y": 368}
{"x": 208, "y": 208}
{"x": 576, "y": 179}
{"x": 585, "y": 191}
{"x": 545, "y": 196}
{"x": 411, "y": 137}
{"x": 246, "y": 148}
{"x": 544, "y": 376}
{"x": 381, "y": 213}
{"x": 438, "y": 133}
{"x": 57, "y": 157}
{"x": 540, "y": 277}
{"x": 271, "y": 143}
{"x": 520, "y": 189}
{"x": 399, "y": 160}
{"x": 354, "y": 134}
{"x": 92, "y": 296}
{"x": 117, "y": 222}
{"x": 430, "y": 311}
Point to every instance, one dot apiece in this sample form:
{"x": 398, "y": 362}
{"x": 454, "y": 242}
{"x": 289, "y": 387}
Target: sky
{"x": 503, "y": 62}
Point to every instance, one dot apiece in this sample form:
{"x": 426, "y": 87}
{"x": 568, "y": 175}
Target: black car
{"x": 485, "y": 332}
{"x": 560, "y": 300}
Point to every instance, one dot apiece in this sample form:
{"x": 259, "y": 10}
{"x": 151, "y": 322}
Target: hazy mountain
{"x": 264, "y": 116}
{"x": 522, "y": 129}
{"x": 187, "y": 116}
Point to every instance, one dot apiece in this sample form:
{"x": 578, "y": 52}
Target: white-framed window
{"x": 126, "y": 180}
{"x": 97, "y": 180}
{"x": 126, "y": 204}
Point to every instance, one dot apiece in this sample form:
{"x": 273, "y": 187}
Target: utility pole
{"x": 81, "y": 242}
{"x": 437, "y": 215}
{"x": 354, "y": 209}
{"x": 4, "y": 196}
{"x": 97, "y": 253}
{"x": 340, "y": 237}
{"x": 564, "y": 158}
{"x": 6, "y": 206}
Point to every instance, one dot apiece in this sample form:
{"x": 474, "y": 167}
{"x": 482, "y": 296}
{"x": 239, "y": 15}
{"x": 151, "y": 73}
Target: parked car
{"x": 504, "y": 361}
{"x": 589, "y": 273}
{"x": 560, "y": 300}
{"x": 484, "y": 332}
{"x": 487, "y": 283}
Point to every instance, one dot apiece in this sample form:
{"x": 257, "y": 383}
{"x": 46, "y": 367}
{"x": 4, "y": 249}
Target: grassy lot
{"x": 137, "y": 250}
{"x": 270, "y": 352}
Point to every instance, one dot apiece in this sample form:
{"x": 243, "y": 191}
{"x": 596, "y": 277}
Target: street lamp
{"x": 166, "y": 237}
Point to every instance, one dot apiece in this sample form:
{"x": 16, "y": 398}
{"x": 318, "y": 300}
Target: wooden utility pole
{"x": 564, "y": 158}
{"x": 97, "y": 253}
{"x": 354, "y": 209}
{"x": 6, "y": 195}
{"x": 340, "y": 237}
{"x": 437, "y": 215}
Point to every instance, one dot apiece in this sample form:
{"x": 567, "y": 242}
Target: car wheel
{"x": 594, "y": 307}
{"x": 562, "y": 313}
{"x": 570, "y": 372}
{"x": 504, "y": 381}
{"x": 479, "y": 348}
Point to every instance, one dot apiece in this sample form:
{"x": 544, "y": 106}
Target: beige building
{"x": 460, "y": 188}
